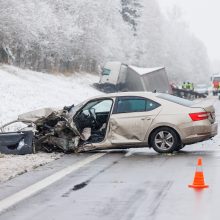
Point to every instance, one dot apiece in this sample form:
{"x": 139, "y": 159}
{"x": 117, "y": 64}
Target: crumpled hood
{"x": 50, "y": 129}
{"x": 35, "y": 115}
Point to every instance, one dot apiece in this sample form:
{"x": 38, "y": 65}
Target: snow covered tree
{"x": 130, "y": 10}
{"x": 81, "y": 35}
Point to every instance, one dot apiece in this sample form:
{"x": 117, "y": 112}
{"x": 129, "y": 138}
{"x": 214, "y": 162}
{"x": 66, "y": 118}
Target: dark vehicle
{"x": 202, "y": 89}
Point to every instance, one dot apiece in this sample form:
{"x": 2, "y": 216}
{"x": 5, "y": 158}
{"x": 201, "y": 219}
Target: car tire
{"x": 164, "y": 140}
{"x": 180, "y": 147}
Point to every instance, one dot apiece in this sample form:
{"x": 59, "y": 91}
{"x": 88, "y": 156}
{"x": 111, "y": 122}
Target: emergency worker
{"x": 184, "y": 85}
{"x": 188, "y": 86}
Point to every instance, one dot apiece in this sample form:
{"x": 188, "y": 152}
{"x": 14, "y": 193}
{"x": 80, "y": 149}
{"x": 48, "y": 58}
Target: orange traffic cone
{"x": 199, "y": 182}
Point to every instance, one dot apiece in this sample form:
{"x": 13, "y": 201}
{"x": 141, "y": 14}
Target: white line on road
{"x": 36, "y": 187}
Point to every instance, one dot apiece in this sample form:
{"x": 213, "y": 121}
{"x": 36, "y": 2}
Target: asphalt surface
{"x": 123, "y": 185}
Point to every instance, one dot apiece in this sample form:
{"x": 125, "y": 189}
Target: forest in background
{"x": 81, "y": 35}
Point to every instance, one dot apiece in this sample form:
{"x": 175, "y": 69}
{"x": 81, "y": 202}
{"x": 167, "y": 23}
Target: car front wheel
{"x": 164, "y": 140}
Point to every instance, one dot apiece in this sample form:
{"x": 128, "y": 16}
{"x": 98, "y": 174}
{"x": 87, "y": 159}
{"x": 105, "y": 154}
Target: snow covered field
{"x": 26, "y": 90}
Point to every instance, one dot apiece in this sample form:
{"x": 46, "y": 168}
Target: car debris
{"x": 17, "y": 143}
{"x": 47, "y": 130}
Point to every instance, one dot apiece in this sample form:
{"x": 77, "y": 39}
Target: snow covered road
{"x": 119, "y": 184}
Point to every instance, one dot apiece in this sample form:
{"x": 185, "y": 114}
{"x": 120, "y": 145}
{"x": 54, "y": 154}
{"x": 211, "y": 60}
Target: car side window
{"x": 103, "y": 105}
{"x": 134, "y": 104}
{"x": 151, "y": 105}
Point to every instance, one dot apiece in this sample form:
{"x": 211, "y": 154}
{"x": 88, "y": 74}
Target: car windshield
{"x": 175, "y": 99}
{"x": 216, "y": 78}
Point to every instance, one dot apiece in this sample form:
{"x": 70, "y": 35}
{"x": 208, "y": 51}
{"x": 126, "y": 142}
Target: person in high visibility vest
{"x": 188, "y": 86}
{"x": 184, "y": 85}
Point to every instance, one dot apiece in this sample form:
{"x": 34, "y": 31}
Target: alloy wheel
{"x": 164, "y": 140}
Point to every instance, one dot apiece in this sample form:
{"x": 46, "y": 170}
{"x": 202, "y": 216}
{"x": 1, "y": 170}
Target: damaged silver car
{"x": 118, "y": 120}
{"x": 68, "y": 130}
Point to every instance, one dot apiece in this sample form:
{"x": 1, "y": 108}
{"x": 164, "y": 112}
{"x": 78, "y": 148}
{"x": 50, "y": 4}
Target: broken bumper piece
{"x": 19, "y": 143}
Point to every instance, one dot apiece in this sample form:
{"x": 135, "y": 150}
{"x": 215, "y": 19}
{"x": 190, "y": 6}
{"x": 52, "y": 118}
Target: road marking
{"x": 36, "y": 187}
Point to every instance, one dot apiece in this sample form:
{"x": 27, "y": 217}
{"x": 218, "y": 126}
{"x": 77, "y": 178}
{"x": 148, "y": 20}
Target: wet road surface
{"x": 123, "y": 185}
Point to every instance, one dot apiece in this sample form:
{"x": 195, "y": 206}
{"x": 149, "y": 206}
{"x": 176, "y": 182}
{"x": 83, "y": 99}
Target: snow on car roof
{"x": 142, "y": 71}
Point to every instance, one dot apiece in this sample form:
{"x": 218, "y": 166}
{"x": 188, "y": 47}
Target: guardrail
{"x": 188, "y": 94}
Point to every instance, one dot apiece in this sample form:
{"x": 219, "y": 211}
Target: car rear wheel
{"x": 180, "y": 147}
{"x": 164, "y": 140}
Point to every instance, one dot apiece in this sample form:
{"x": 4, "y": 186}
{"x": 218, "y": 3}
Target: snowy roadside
{"x": 13, "y": 165}
{"x": 26, "y": 90}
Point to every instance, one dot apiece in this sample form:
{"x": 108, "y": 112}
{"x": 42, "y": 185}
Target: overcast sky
{"x": 203, "y": 17}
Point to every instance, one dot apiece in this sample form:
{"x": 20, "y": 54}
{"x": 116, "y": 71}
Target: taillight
{"x": 199, "y": 116}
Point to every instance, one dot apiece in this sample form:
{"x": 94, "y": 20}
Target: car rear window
{"x": 175, "y": 99}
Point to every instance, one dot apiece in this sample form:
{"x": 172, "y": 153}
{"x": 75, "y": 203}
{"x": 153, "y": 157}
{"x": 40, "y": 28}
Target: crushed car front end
{"x": 46, "y": 129}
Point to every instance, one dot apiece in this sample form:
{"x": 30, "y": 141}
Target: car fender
{"x": 162, "y": 124}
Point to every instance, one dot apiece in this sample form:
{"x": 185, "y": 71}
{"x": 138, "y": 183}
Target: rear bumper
{"x": 200, "y": 132}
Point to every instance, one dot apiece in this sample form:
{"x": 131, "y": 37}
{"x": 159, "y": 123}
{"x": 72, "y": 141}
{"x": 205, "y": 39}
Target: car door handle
{"x": 146, "y": 119}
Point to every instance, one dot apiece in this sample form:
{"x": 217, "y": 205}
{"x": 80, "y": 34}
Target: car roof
{"x": 202, "y": 84}
{"x": 118, "y": 94}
